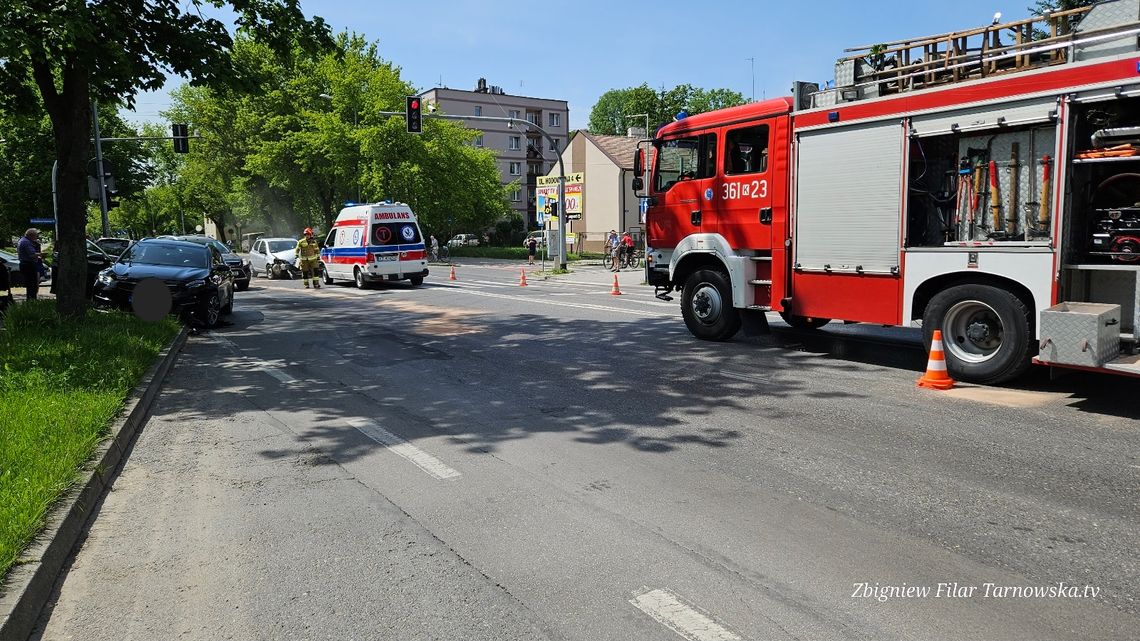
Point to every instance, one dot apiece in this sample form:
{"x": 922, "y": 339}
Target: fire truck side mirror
{"x": 639, "y": 164}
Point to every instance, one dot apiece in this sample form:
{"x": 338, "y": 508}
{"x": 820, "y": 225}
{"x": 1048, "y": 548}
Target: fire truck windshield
{"x": 676, "y": 161}
{"x": 682, "y": 159}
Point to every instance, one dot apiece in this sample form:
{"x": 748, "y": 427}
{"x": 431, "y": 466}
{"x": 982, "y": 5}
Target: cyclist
{"x": 613, "y": 247}
{"x": 627, "y": 247}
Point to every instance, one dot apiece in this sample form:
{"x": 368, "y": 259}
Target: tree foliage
{"x": 310, "y": 135}
{"x": 59, "y": 55}
{"x": 618, "y": 109}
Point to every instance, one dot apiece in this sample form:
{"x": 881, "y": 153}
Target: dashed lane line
{"x": 668, "y": 610}
{"x": 404, "y": 449}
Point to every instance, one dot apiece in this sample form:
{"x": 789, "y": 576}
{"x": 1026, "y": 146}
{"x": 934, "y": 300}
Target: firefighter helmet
{"x": 308, "y": 231}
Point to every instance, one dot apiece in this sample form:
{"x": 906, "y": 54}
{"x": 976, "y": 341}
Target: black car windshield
{"x": 281, "y": 245}
{"x": 164, "y": 254}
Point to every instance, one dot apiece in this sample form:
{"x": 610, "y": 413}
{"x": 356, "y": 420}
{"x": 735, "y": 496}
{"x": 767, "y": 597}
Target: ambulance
{"x": 373, "y": 243}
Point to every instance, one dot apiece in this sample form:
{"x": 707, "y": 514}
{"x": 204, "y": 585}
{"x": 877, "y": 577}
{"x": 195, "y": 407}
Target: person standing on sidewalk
{"x": 531, "y": 249}
{"x": 28, "y": 251}
{"x": 309, "y": 257}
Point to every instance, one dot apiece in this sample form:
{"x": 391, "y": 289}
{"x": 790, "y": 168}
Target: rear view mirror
{"x": 638, "y": 183}
{"x": 639, "y": 164}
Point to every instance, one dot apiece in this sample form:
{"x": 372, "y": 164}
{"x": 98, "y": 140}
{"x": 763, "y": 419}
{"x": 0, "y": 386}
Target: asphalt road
{"x": 473, "y": 459}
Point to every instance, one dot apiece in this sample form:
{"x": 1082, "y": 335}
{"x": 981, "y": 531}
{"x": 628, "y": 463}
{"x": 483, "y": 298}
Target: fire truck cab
{"x": 985, "y": 183}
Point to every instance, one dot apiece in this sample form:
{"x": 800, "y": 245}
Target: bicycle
{"x": 441, "y": 255}
{"x": 628, "y": 259}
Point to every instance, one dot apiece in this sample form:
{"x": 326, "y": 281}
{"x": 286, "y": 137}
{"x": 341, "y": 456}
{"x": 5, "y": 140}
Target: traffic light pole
{"x": 561, "y": 235}
{"x": 99, "y": 165}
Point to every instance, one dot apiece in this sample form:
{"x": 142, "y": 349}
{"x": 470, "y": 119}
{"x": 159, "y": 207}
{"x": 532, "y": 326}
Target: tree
{"x": 611, "y": 114}
{"x": 76, "y": 51}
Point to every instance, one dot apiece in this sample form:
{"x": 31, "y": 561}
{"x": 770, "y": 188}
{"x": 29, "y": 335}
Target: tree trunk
{"x": 71, "y": 124}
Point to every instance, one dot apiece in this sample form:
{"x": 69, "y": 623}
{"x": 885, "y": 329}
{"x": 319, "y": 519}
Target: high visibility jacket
{"x": 308, "y": 249}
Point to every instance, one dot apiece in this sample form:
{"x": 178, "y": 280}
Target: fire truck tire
{"x": 706, "y": 304}
{"x": 986, "y": 332}
{"x": 804, "y": 322}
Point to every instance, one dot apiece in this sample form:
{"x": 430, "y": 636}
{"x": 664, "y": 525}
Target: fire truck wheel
{"x": 986, "y": 332}
{"x": 804, "y": 322}
{"x": 706, "y": 304}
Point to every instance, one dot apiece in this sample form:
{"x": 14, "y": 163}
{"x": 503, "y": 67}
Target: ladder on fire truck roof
{"x": 913, "y": 64}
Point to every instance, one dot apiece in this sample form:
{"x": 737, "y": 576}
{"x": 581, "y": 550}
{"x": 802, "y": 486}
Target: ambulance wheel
{"x": 804, "y": 322}
{"x": 358, "y": 278}
{"x": 325, "y": 275}
{"x": 417, "y": 281}
{"x": 706, "y": 304}
{"x": 986, "y": 332}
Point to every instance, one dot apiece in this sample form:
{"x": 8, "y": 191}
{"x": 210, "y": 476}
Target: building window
{"x": 515, "y": 143}
{"x": 553, "y": 144}
{"x": 555, "y": 120}
{"x": 478, "y": 110}
{"x": 479, "y": 140}
{"x": 516, "y": 168}
{"x": 533, "y": 118}
{"x": 516, "y": 195}
{"x": 513, "y": 113}
{"x": 535, "y": 168}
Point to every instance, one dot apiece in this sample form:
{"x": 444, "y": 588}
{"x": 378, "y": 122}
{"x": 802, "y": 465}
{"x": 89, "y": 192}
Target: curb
{"x": 31, "y": 581}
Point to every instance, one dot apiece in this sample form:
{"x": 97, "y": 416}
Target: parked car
{"x": 539, "y": 235}
{"x": 12, "y": 263}
{"x": 240, "y": 266}
{"x": 114, "y": 247}
{"x": 97, "y": 261}
{"x": 201, "y": 284}
{"x": 463, "y": 240}
{"x": 273, "y": 257}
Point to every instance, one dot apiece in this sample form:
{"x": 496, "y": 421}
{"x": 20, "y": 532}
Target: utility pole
{"x": 753, "y": 62}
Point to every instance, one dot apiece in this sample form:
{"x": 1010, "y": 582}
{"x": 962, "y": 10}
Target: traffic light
{"x": 181, "y": 139}
{"x": 414, "y": 115}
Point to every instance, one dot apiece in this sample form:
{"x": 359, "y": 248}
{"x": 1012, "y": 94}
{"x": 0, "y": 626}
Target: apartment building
{"x": 522, "y": 155}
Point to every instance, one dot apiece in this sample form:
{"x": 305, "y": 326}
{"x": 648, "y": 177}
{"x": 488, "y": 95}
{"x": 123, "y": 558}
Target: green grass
{"x": 61, "y": 384}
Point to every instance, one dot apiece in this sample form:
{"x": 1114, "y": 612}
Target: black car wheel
{"x": 358, "y": 277}
{"x": 986, "y": 332}
{"x": 210, "y": 311}
{"x": 242, "y": 285}
{"x": 417, "y": 281}
{"x": 706, "y": 305}
{"x": 325, "y": 275}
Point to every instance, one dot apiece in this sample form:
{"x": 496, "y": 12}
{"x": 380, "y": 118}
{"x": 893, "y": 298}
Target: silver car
{"x": 273, "y": 257}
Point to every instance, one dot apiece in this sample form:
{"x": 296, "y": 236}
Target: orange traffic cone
{"x": 452, "y": 277}
{"x": 615, "y": 291}
{"x": 522, "y": 278}
{"x": 936, "y": 376}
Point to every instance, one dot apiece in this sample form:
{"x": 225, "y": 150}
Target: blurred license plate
{"x": 389, "y": 257}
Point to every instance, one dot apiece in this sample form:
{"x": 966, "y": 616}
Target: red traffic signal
{"x": 413, "y": 115}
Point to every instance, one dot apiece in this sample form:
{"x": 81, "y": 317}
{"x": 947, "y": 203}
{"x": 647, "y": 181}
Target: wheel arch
{"x": 929, "y": 288}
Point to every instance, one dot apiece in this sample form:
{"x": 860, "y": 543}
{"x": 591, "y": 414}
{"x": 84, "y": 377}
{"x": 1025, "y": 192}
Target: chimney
{"x": 635, "y": 132}
{"x": 481, "y": 86}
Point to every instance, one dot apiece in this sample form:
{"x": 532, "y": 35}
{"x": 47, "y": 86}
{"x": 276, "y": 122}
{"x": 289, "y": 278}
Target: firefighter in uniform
{"x": 309, "y": 256}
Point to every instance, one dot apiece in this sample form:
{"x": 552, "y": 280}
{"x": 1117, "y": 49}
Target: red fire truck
{"x": 982, "y": 182}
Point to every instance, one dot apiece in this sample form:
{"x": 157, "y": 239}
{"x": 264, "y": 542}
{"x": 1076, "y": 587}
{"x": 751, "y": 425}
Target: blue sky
{"x": 577, "y": 51}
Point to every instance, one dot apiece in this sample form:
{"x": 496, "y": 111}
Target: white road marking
{"x": 276, "y": 373}
{"x": 686, "y": 621}
{"x": 402, "y": 448}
